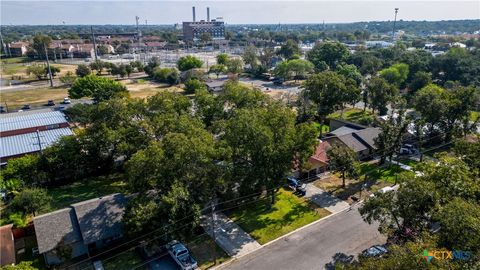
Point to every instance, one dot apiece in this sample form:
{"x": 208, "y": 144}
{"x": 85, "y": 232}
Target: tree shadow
{"x": 339, "y": 258}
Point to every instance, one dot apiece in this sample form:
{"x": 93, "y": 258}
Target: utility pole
{"x": 214, "y": 252}
{"x": 48, "y": 66}
{"x": 94, "y": 44}
{"x": 394, "y": 22}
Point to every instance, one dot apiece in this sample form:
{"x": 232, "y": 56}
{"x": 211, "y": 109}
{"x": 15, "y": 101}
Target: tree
{"x": 23, "y": 265}
{"x": 41, "y": 44}
{"x": 31, "y": 201}
{"x": 53, "y": 69}
{"x": 102, "y": 49}
{"x": 289, "y": 49}
{"x": 332, "y": 53}
{"x": 192, "y": 85}
{"x": 128, "y": 70}
{"x": 188, "y": 62}
{"x": 282, "y": 70}
{"x": 37, "y": 70}
{"x": 380, "y": 94}
{"x": 218, "y": 69}
{"x": 166, "y": 75}
{"x": 300, "y": 68}
{"x": 25, "y": 171}
{"x": 420, "y": 80}
{"x": 235, "y": 66}
{"x": 326, "y": 90}
{"x": 250, "y": 57}
{"x": 391, "y": 136}
{"x": 205, "y": 37}
{"x": 469, "y": 151}
{"x": 82, "y": 70}
{"x": 98, "y": 66}
{"x": 396, "y": 74}
{"x": 222, "y": 59}
{"x": 430, "y": 103}
{"x": 342, "y": 159}
{"x": 68, "y": 78}
{"x": 459, "y": 220}
{"x": 119, "y": 70}
{"x": 350, "y": 72}
{"x": 99, "y": 88}
{"x": 153, "y": 63}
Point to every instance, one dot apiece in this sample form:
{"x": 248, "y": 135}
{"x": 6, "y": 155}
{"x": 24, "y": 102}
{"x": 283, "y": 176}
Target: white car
{"x": 67, "y": 101}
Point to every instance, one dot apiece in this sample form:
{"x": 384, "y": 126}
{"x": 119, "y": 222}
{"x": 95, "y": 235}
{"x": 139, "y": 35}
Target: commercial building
{"x": 192, "y": 31}
{"x": 31, "y": 131}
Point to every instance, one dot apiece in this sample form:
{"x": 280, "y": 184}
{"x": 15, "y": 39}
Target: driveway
{"x": 324, "y": 199}
{"x": 229, "y": 236}
{"x": 340, "y": 237}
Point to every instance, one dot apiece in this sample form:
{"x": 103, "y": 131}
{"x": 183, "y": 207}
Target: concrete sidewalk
{"x": 324, "y": 199}
{"x": 229, "y": 236}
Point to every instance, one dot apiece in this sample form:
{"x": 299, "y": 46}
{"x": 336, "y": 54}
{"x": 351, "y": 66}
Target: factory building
{"x": 193, "y": 30}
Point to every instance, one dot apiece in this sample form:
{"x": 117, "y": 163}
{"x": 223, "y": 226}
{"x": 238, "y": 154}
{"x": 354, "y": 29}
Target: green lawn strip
{"x": 324, "y": 128}
{"x": 86, "y": 189}
{"x": 127, "y": 260}
{"x": 287, "y": 214}
{"x": 408, "y": 162}
{"x": 201, "y": 249}
{"x": 351, "y": 114}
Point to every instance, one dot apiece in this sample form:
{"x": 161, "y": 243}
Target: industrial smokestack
{"x": 193, "y": 13}
{"x": 208, "y": 14}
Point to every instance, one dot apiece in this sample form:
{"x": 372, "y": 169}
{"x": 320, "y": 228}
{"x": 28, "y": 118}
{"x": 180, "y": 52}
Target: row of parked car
{"x": 49, "y": 103}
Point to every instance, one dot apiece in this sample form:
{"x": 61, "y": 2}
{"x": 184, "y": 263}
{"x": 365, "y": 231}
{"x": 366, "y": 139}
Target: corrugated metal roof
{"x": 22, "y": 120}
{"x": 28, "y": 143}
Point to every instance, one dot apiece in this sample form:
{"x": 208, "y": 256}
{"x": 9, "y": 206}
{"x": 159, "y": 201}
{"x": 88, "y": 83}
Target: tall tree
{"x": 99, "y": 88}
{"x": 185, "y": 63}
{"x": 380, "y": 94}
{"x": 289, "y": 49}
{"x": 332, "y": 53}
{"x": 342, "y": 159}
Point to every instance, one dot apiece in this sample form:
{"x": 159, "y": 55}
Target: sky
{"x": 233, "y": 12}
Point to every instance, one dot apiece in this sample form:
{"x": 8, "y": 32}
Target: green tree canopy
{"x": 99, "y": 88}
{"x": 332, "y": 53}
{"x": 188, "y": 62}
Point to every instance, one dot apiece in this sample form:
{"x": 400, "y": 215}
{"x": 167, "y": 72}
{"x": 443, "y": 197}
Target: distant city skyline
{"x": 233, "y": 12}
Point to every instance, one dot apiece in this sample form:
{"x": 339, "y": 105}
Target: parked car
{"x": 67, "y": 101}
{"x": 375, "y": 251}
{"x": 181, "y": 255}
{"x": 2, "y": 110}
{"x": 297, "y": 185}
{"x": 277, "y": 81}
{"x": 26, "y": 107}
{"x": 50, "y": 103}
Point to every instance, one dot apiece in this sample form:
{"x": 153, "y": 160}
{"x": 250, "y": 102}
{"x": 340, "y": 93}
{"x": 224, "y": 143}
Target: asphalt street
{"x": 340, "y": 237}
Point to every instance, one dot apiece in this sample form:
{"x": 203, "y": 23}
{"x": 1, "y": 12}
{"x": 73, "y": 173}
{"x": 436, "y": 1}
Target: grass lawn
{"x": 474, "y": 116}
{"x": 324, "y": 128}
{"x": 40, "y": 96}
{"x": 86, "y": 189}
{"x": 287, "y": 214}
{"x": 409, "y": 162}
{"x": 201, "y": 250}
{"x": 352, "y": 115}
{"x": 127, "y": 260}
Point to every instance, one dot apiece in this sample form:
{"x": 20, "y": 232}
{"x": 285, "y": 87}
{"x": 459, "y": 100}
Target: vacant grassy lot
{"x": 34, "y": 97}
{"x": 201, "y": 250}
{"x": 287, "y": 214}
{"x": 144, "y": 88}
{"x": 86, "y": 189}
{"x": 354, "y": 115}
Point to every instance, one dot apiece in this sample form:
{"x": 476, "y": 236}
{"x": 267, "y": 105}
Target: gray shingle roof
{"x": 343, "y": 130}
{"x": 56, "y": 228}
{"x": 368, "y": 136}
{"x": 100, "y": 218}
{"x": 352, "y": 142}
{"x": 29, "y": 119}
{"x": 28, "y": 143}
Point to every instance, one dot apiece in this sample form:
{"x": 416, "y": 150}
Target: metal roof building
{"x": 12, "y": 146}
{"x": 31, "y": 121}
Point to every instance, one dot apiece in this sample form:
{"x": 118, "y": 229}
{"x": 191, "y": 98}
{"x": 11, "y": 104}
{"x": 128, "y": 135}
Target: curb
{"x": 277, "y": 239}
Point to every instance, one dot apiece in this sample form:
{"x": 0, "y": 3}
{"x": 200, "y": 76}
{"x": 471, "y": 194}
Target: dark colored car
{"x": 296, "y": 185}
{"x": 26, "y": 107}
{"x": 2, "y": 110}
{"x": 50, "y": 103}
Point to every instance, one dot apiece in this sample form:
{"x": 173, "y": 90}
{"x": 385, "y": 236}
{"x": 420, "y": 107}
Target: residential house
{"x": 17, "y": 49}
{"x": 357, "y": 137}
{"x": 215, "y": 86}
{"x": 82, "y": 229}
{"x": 318, "y": 162}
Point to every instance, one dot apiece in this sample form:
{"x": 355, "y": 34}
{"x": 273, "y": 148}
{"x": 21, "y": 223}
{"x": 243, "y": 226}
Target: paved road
{"x": 339, "y": 237}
